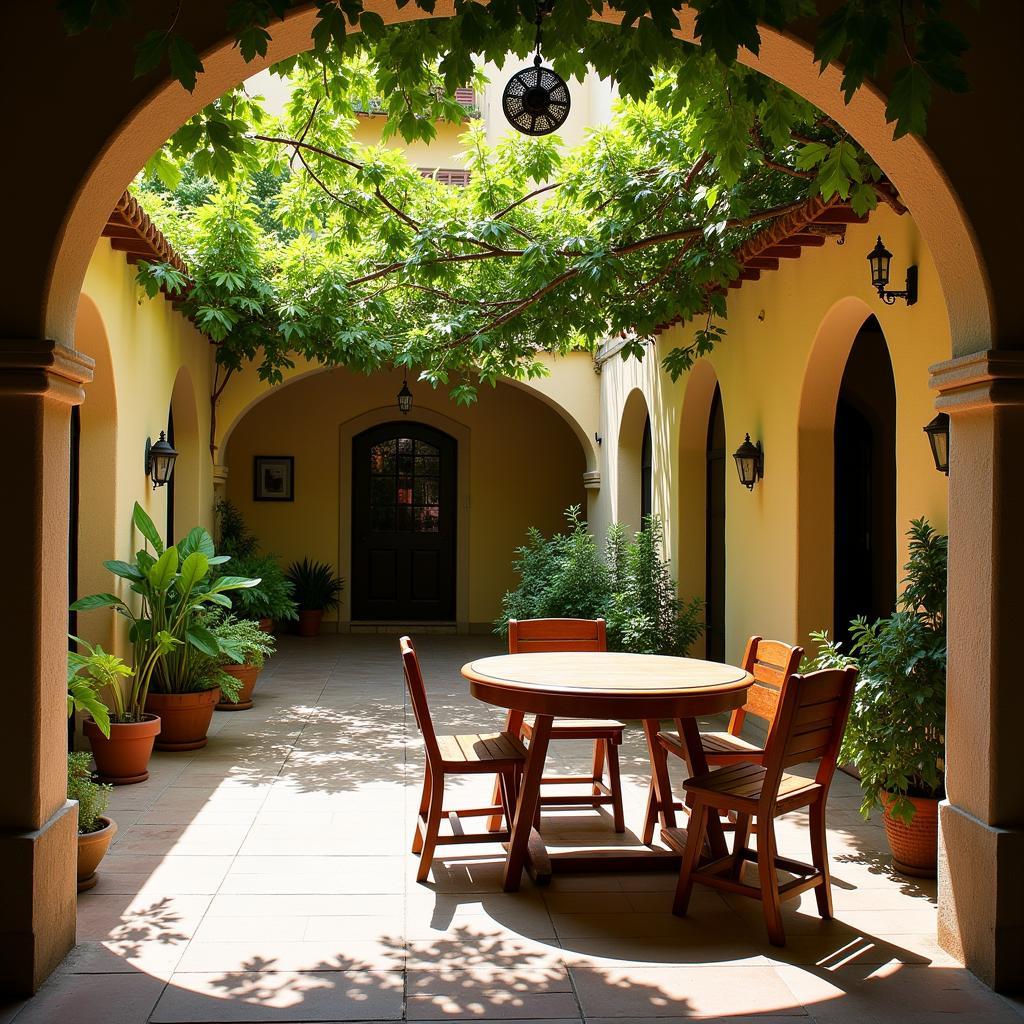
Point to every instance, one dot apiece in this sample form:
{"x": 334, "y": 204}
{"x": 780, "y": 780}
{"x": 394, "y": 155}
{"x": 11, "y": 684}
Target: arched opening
{"x": 404, "y": 511}
{"x": 691, "y": 524}
{"x": 865, "y": 484}
{"x": 646, "y": 473}
{"x": 634, "y": 436}
{"x": 94, "y": 478}
{"x": 501, "y": 487}
{"x": 714, "y": 531}
{"x": 183, "y": 493}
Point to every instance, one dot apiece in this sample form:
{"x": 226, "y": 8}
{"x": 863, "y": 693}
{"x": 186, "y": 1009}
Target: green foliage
{"x": 645, "y": 615}
{"x": 272, "y": 597}
{"x": 316, "y": 586}
{"x": 413, "y": 69}
{"x": 895, "y": 734}
{"x": 175, "y": 588}
{"x": 565, "y": 576}
{"x": 89, "y": 675}
{"x": 91, "y": 796}
{"x": 242, "y": 642}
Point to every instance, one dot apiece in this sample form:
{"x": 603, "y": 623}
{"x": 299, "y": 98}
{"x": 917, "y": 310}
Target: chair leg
{"x": 417, "y": 839}
{"x": 650, "y": 815}
{"x": 514, "y": 725}
{"x": 742, "y": 837}
{"x": 598, "y": 772}
{"x": 819, "y": 858}
{"x": 696, "y": 827}
{"x": 770, "y": 899}
{"x": 615, "y": 785}
{"x": 433, "y": 827}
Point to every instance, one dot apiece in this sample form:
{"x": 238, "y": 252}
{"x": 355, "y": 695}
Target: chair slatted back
{"x": 771, "y": 663}
{"x": 418, "y": 696}
{"x": 542, "y": 635}
{"x": 810, "y": 723}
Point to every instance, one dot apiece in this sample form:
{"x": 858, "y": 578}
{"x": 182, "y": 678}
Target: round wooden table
{"x": 602, "y": 685}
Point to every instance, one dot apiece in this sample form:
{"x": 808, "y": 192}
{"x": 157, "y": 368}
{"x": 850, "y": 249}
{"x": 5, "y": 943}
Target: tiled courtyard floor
{"x": 267, "y": 878}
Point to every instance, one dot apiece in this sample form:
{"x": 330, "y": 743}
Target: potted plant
{"x": 176, "y": 589}
{"x": 895, "y": 734}
{"x": 248, "y": 647}
{"x": 316, "y": 591}
{"x": 122, "y": 736}
{"x": 271, "y": 600}
{"x": 95, "y": 830}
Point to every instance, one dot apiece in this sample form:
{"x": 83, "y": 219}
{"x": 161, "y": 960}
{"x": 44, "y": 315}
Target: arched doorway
{"x": 403, "y": 524}
{"x": 714, "y": 532}
{"x": 865, "y": 484}
{"x": 646, "y": 473}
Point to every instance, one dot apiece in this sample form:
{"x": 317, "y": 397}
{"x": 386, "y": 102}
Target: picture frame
{"x": 273, "y": 478}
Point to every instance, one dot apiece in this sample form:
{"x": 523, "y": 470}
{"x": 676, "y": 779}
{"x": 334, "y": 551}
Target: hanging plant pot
{"x": 309, "y": 622}
{"x": 186, "y": 718}
{"x": 246, "y": 675}
{"x": 915, "y": 847}
{"x": 123, "y": 758}
{"x": 92, "y": 848}
{"x": 266, "y": 624}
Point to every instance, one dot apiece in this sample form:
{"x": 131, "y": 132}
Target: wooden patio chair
{"x": 771, "y": 663}
{"x": 539, "y": 635}
{"x": 808, "y": 727}
{"x": 499, "y": 753}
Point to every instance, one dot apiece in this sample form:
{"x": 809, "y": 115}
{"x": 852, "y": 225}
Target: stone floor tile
{"x": 93, "y": 999}
{"x": 490, "y": 993}
{"x": 261, "y": 955}
{"x": 246, "y": 996}
{"x": 731, "y": 990}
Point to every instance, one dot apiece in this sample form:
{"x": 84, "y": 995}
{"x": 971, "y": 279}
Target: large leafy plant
{"x": 174, "y": 590}
{"x": 896, "y": 731}
{"x": 631, "y": 587}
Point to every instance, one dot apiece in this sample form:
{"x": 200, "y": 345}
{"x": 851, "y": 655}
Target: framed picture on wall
{"x": 273, "y": 478}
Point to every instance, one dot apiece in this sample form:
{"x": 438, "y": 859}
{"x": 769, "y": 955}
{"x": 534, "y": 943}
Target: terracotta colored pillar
{"x": 39, "y": 383}
{"x": 981, "y": 842}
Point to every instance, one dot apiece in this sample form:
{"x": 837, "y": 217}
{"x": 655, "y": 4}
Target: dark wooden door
{"x": 714, "y": 594}
{"x": 403, "y": 524}
{"x": 854, "y": 527}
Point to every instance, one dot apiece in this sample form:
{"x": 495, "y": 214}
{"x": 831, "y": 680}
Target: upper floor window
{"x": 446, "y": 175}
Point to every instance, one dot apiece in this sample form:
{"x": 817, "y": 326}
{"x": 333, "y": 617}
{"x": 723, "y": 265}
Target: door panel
{"x": 403, "y": 524}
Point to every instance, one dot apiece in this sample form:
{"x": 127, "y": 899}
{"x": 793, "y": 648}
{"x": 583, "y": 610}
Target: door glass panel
{"x": 382, "y": 491}
{"x": 382, "y": 458}
{"x": 427, "y": 519}
{"x": 405, "y": 486}
{"x": 382, "y": 518}
{"x": 426, "y": 492}
{"x": 405, "y": 518}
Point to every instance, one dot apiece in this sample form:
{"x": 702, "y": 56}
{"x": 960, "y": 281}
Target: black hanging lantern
{"x": 405, "y": 397}
{"x": 938, "y": 438}
{"x": 160, "y": 458}
{"x": 536, "y": 100}
{"x": 879, "y": 260}
{"x": 749, "y": 462}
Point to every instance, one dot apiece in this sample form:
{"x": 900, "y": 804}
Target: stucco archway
{"x": 190, "y": 464}
{"x": 629, "y": 456}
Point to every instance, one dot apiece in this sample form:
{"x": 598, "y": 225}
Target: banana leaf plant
{"x": 175, "y": 588}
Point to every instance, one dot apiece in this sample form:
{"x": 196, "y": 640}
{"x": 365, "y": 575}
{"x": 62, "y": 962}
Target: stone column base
{"x": 981, "y": 913}
{"x": 37, "y": 913}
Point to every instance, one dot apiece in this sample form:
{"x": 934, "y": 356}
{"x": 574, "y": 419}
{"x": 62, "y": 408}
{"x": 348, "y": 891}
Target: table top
{"x": 607, "y": 674}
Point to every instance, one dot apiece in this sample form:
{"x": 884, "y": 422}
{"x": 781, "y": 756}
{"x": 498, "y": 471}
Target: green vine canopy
{"x": 300, "y": 242}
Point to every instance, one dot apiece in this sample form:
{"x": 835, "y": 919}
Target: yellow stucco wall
{"x": 779, "y": 368}
{"x": 145, "y": 352}
{"x": 523, "y": 466}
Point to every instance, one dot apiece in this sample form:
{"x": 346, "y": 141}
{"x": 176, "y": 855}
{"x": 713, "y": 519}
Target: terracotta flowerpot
{"x": 915, "y": 847}
{"x": 186, "y": 718}
{"x": 267, "y": 624}
{"x": 309, "y": 622}
{"x": 92, "y": 848}
{"x": 124, "y": 757}
{"x": 246, "y": 674}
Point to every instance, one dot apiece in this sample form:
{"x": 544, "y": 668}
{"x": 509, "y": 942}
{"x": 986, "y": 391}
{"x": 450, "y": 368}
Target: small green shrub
{"x": 91, "y": 796}
{"x": 896, "y": 732}
{"x": 631, "y": 587}
{"x": 242, "y": 641}
{"x": 316, "y": 586}
{"x": 272, "y": 597}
